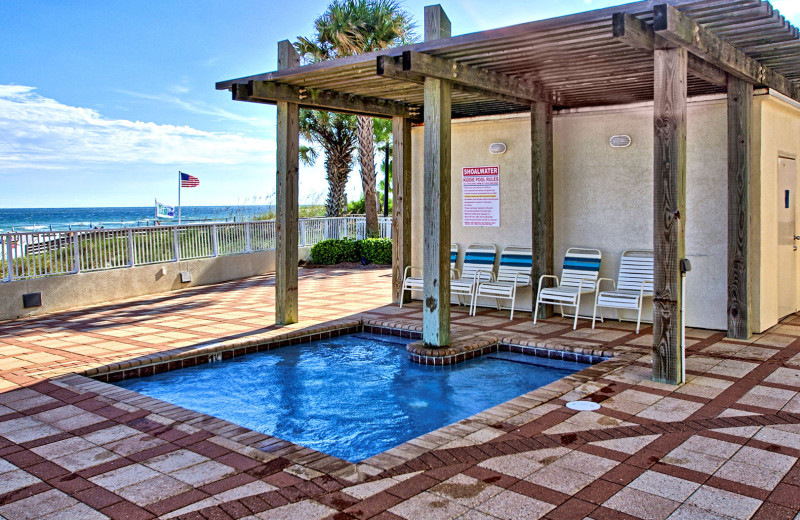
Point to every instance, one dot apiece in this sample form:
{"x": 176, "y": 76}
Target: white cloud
{"x": 195, "y": 107}
{"x": 39, "y": 132}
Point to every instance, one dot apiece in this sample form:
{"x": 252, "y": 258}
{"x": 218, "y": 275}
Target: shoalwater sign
{"x": 481, "y": 196}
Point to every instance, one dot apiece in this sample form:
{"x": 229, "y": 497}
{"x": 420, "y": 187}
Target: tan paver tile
{"x": 749, "y": 474}
{"x": 767, "y": 397}
{"x": 153, "y": 489}
{"x": 112, "y": 434}
{"x": 362, "y": 491}
{"x": 175, "y": 460}
{"x": 670, "y": 409}
{"x": 61, "y": 448}
{"x": 512, "y": 465}
{"x": 85, "y": 459}
{"x": 306, "y": 509}
{"x": 724, "y": 502}
{"x": 667, "y": 486}
{"x": 37, "y": 505}
{"x": 628, "y": 445}
{"x": 641, "y": 505}
{"x": 586, "y": 463}
{"x": 466, "y": 491}
{"x": 16, "y": 479}
{"x": 203, "y": 473}
{"x": 514, "y": 506}
{"x": 563, "y": 479}
{"x": 123, "y": 477}
{"x": 135, "y": 444}
{"x": 78, "y": 511}
{"x": 429, "y": 506}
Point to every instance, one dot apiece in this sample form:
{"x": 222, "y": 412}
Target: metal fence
{"x": 52, "y": 253}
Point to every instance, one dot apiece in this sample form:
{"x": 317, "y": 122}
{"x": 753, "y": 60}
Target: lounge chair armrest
{"x": 641, "y": 291}
{"x": 541, "y": 278}
{"x": 479, "y": 275}
{"x": 455, "y": 271}
{"x": 408, "y": 270}
{"x": 600, "y": 280}
{"x": 523, "y": 276}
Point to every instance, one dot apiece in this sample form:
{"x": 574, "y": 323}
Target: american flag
{"x": 189, "y": 181}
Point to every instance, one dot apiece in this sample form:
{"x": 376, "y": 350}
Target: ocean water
{"x": 58, "y": 219}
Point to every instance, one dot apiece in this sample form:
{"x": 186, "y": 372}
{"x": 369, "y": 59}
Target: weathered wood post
{"x": 542, "y": 194}
{"x": 740, "y": 105}
{"x": 436, "y": 220}
{"x": 286, "y": 205}
{"x": 401, "y": 204}
{"x": 669, "y": 209}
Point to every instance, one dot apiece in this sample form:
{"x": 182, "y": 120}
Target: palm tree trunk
{"x": 337, "y": 182}
{"x": 366, "y": 150}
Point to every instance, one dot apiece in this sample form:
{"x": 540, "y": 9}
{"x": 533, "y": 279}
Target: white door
{"x": 787, "y": 231}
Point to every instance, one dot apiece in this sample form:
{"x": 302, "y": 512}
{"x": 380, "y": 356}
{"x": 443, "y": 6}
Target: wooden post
{"x": 436, "y": 220}
{"x": 401, "y": 204}
{"x": 669, "y": 209}
{"x": 286, "y": 206}
{"x": 542, "y": 194}
{"x": 740, "y": 104}
{"x": 437, "y": 24}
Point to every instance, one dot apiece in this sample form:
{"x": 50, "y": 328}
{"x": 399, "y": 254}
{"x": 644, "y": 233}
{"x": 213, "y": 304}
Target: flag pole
{"x": 179, "y": 197}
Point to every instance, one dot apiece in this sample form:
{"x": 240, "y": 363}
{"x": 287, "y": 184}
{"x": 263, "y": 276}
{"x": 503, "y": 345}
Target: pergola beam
{"x": 675, "y": 27}
{"x": 639, "y": 35}
{"x": 272, "y": 93}
{"x": 416, "y": 66}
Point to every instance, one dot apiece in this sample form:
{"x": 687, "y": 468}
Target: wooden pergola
{"x": 635, "y": 52}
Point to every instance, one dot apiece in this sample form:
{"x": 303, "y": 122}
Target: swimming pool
{"x": 350, "y": 396}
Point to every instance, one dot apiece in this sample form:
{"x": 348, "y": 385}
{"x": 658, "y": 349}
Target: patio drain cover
{"x": 583, "y": 406}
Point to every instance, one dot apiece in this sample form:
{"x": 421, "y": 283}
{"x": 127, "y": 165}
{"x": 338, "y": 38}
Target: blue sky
{"x": 101, "y": 103}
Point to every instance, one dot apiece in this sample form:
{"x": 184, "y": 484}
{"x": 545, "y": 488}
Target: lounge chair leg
{"x": 594, "y": 313}
{"x": 402, "y": 294}
{"x": 536, "y": 311}
{"x": 577, "y": 307}
{"x": 639, "y": 318}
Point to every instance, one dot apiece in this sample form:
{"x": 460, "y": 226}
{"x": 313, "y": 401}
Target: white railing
{"x": 52, "y": 253}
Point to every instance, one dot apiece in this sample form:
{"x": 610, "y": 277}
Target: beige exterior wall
{"x": 83, "y": 289}
{"x": 603, "y": 196}
{"x": 777, "y": 127}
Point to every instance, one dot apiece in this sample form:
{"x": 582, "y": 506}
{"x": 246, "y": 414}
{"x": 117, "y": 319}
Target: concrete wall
{"x": 83, "y": 289}
{"x": 777, "y": 127}
{"x": 603, "y": 196}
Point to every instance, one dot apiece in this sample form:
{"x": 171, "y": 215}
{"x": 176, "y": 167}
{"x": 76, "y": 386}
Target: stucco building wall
{"x": 603, "y": 196}
{"x": 777, "y": 129}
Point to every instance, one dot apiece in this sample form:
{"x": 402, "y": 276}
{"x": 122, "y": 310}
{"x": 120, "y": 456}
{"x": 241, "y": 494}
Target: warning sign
{"x": 481, "y": 196}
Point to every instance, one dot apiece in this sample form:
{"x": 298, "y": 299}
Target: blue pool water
{"x": 351, "y": 396}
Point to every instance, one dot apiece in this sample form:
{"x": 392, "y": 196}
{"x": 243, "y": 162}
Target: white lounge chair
{"x": 579, "y": 277}
{"x": 514, "y": 271}
{"x": 417, "y": 283}
{"x": 634, "y": 284}
{"x": 478, "y": 266}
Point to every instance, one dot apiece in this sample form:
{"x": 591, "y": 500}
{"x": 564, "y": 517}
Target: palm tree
{"x": 336, "y": 134}
{"x": 351, "y": 27}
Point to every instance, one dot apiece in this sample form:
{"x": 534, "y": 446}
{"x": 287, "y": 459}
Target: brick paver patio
{"x": 724, "y": 445}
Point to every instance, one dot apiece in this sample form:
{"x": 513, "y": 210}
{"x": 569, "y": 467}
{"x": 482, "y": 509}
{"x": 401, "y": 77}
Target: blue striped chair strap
{"x": 453, "y": 257}
{"x": 582, "y": 264}
{"x": 518, "y": 260}
{"x": 479, "y": 258}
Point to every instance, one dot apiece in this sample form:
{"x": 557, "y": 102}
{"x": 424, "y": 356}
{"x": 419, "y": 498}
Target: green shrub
{"x": 334, "y": 251}
{"x": 377, "y": 250}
